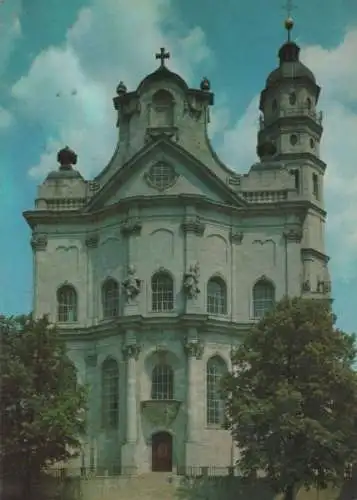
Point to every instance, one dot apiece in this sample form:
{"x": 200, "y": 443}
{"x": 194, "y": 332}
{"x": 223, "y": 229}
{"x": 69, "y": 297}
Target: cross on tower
{"x": 289, "y": 7}
{"x": 162, "y": 55}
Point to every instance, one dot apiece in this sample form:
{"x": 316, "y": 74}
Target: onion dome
{"x": 205, "y": 84}
{"x": 290, "y": 65}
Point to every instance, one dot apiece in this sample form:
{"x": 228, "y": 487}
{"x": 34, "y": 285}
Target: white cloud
{"x": 10, "y": 30}
{"x": 6, "y": 118}
{"x": 102, "y": 47}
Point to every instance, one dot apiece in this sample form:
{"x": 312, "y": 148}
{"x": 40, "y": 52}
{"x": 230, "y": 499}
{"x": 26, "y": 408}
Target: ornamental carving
{"x": 131, "y": 284}
{"x": 236, "y": 237}
{"x": 39, "y": 242}
{"x": 131, "y": 225}
{"x": 193, "y": 225}
{"x": 306, "y": 286}
{"x": 294, "y": 235}
{"x": 161, "y": 176}
{"x": 92, "y": 240}
{"x": 160, "y": 412}
{"x": 131, "y": 351}
{"x": 191, "y": 279}
{"x": 194, "y": 349}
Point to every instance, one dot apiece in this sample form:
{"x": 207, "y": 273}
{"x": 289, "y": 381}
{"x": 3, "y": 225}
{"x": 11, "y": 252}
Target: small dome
{"x": 290, "y": 65}
{"x": 160, "y": 74}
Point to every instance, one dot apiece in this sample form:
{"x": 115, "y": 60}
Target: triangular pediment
{"x": 163, "y": 168}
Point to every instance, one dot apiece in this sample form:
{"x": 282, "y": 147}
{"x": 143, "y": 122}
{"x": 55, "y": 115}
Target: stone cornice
{"x": 36, "y": 217}
{"x": 139, "y": 323}
{"x": 311, "y": 252}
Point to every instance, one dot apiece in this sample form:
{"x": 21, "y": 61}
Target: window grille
{"x": 110, "y": 299}
{"x": 110, "y": 393}
{"x": 66, "y": 304}
{"x": 162, "y": 292}
{"x": 162, "y": 382}
{"x": 263, "y": 298}
{"x": 216, "y": 368}
{"x": 216, "y": 296}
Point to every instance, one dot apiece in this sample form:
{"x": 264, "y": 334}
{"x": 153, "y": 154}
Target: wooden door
{"x": 162, "y": 452}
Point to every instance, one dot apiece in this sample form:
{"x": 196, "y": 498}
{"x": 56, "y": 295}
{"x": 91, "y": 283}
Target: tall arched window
{"x": 216, "y": 369}
{"x": 162, "y": 382}
{"x": 263, "y": 298}
{"x": 216, "y": 296}
{"x": 162, "y": 288}
{"x": 66, "y": 304}
{"x": 162, "y": 109}
{"x": 110, "y": 298}
{"x": 110, "y": 393}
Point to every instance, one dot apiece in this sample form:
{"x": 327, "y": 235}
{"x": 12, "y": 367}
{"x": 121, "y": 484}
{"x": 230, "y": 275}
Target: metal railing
{"x": 298, "y": 111}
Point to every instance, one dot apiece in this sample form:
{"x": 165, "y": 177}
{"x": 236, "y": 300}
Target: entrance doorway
{"x": 162, "y": 452}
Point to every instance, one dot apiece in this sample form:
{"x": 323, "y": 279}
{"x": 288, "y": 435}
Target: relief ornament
{"x": 191, "y": 280}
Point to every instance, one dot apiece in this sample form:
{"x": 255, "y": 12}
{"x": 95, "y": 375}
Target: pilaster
{"x": 93, "y": 417}
{"x": 91, "y": 243}
{"x": 293, "y": 236}
{"x": 131, "y": 230}
{"x": 194, "y": 424}
{"x": 131, "y": 351}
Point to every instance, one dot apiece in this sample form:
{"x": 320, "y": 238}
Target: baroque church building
{"x": 157, "y": 267}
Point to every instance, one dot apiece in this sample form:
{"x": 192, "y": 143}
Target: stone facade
{"x": 158, "y": 266}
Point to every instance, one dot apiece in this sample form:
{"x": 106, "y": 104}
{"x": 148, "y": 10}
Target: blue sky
{"x": 88, "y": 46}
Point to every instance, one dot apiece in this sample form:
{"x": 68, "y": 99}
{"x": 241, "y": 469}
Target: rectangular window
{"x": 296, "y": 174}
{"x": 315, "y": 186}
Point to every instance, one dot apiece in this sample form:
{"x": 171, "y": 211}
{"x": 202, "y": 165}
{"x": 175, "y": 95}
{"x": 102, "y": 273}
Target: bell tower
{"x": 290, "y": 120}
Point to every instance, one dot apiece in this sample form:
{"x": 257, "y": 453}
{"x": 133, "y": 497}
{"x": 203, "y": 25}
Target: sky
{"x": 60, "y": 63}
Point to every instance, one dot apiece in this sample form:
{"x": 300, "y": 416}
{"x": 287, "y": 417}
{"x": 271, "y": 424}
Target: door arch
{"x": 161, "y": 449}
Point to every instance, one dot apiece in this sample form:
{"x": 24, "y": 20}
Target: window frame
{"x": 67, "y": 312}
{"x": 162, "y": 300}
{"x": 217, "y": 305}
{"x": 257, "y": 301}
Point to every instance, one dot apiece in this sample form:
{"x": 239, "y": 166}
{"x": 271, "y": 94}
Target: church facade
{"x": 156, "y": 268}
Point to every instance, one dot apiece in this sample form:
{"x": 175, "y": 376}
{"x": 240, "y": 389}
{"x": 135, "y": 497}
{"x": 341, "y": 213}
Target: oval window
{"x": 312, "y": 143}
{"x": 308, "y": 103}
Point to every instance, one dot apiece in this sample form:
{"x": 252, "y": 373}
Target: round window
{"x": 308, "y": 103}
{"x": 162, "y": 175}
{"x": 292, "y": 98}
{"x": 312, "y": 143}
{"x": 293, "y": 139}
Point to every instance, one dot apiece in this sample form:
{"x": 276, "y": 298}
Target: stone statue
{"x": 191, "y": 279}
{"x": 131, "y": 283}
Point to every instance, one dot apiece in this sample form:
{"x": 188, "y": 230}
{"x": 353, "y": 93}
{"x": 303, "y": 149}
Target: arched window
{"x": 110, "y": 393}
{"x": 66, "y": 304}
{"x": 162, "y": 382}
{"x": 216, "y": 296}
{"x": 162, "y": 288}
{"x": 110, "y": 298}
{"x": 263, "y": 298}
{"x": 216, "y": 368}
{"x": 162, "y": 109}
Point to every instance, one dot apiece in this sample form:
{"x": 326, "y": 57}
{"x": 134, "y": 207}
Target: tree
{"x": 292, "y": 398}
{"x": 42, "y": 405}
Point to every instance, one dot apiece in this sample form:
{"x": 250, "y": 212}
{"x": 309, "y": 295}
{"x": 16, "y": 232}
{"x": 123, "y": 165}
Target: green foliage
{"x": 292, "y": 397}
{"x": 42, "y": 406}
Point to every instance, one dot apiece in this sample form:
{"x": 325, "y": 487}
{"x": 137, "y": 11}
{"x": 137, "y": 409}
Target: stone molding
{"x": 39, "y": 242}
{"x": 194, "y": 349}
{"x": 131, "y": 225}
{"x": 92, "y": 240}
{"x": 193, "y": 225}
{"x": 236, "y": 237}
{"x": 131, "y": 351}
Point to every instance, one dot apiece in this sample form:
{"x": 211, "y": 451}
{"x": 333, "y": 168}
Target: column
{"x": 194, "y": 406}
{"x": 131, "y": 229}
{"x": 131, "y": 352}
{"x": 193, "y": 229}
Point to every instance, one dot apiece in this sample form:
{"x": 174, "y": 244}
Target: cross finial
{"x": 289, "y": 23}
{"x": 162, "y": 55}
